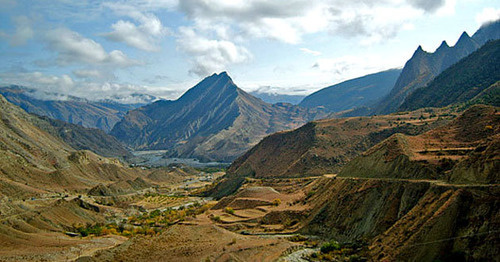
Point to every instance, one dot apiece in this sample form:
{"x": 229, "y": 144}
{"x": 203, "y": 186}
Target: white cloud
{"x": 348, "y": 67}
{"x": 145, "y": 36}
{"x": 310, "y": 52}
{"x": 39, "y": 80}
{"x": 22, "y": 33}
{"x": 74, "y": 48}
{"x": 487, "y": 15}
{"x": 427, "y": 5}
{"x": 51, "y": 87}
{"x": 210, "y": 55}
{"x": 290, "y": 20}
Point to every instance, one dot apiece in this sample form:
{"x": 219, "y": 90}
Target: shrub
{"x": 330, "y": 246}
{"x": 216, "y": 219}
{"x": 311, "y": 193}
{"x": 276, "y": 202}
{"x": 126, "y": 233}
{"x": 298, "y": 238}
{"x": 229, "y": 210}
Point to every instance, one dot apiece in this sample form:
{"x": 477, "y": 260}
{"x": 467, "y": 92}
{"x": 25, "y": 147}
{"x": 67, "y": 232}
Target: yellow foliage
{"x": 126, "y": 233}
{"x": 229, "y": 210}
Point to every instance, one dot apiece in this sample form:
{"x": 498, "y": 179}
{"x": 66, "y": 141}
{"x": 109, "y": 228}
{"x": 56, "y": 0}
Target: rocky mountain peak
{"x": 419, "y": 52}
{"x": 443, "y": 45}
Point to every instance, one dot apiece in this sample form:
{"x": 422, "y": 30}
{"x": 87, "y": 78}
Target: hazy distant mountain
{"x": 357, "y": 92}
{"x": 214, "y": 120}
{"x": 424, "y": 66}
{"x": 103, "y": 114}
{"x": 274, "y": 98}
{"x": 462, "y": 81}
{"x": 83, "y": 138}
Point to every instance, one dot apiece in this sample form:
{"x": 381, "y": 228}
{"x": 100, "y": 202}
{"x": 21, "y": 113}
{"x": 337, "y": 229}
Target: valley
{"x": 168, "y": 212}
{"x": 126, "y": 139}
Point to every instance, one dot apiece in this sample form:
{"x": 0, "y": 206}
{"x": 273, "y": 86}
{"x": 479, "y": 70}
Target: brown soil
{"x": 196, "y": 243}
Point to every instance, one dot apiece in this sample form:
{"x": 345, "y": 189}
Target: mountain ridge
{"x": 356, "y": 92}
{"x": 214, "y": 120}
{"x": 423, "y": 66}
{"x": 102, "y": 115}
{"x": 461, "y": 82}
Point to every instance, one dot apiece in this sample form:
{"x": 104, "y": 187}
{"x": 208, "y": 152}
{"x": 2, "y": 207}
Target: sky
{"x": 102, "y": 49}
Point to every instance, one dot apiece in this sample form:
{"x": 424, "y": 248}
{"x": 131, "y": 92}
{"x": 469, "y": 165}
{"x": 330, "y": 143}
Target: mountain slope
{"x": 35, "y": 162}
{"x": 273, "y": 98}
{"x": 214, "y": 120}
{"x": 460, "y": 82}
{"x": 102, "y": 115}
{"x": 321, "y": 147}
{"x": 82, "y": 138}
{"x": 437, "y": 153}
{"x": 423, "y": 66}
{"x": 353, "y": 93}
{"x": 419, "y": 198}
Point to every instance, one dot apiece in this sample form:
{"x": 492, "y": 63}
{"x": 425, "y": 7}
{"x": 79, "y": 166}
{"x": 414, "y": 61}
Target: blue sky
{"x": 97, "y": 49}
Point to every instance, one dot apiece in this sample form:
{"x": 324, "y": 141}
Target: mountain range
{"x": 423, "y": 67}
{"x": 94, "y": 114}
{"x": 214, "y": 120}
{"x": 472, "y": 77}
{"x": 419, "y": 184}
{"x": 273, "y": 98}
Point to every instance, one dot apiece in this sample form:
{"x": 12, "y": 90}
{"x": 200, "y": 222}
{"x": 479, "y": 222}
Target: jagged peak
{"x": 463, "y": 39}
{"x": 223, "y": 73}
{"x": 464, "y": 35}
{"x": 443, "y": 45}
{"x": 420, "y": 51}
{"x": 224, "y": 76}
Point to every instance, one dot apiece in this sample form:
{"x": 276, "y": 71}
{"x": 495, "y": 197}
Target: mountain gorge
{"x": 423, "y": 67}
{"x": 214, "y": 120}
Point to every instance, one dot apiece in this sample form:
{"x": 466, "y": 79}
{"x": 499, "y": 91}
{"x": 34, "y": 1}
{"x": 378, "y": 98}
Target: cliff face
{"x": 408, "y": 220}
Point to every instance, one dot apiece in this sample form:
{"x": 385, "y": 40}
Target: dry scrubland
{"x": 429, "y": 193}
